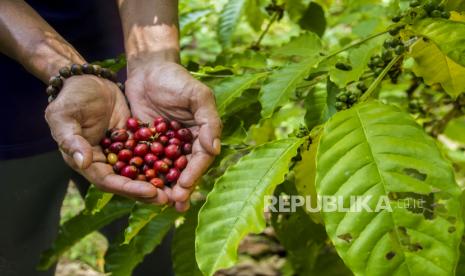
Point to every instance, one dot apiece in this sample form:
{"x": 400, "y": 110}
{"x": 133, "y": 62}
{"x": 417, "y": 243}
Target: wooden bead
{"x": 51, "y": 91}
{"x": 97, "y": 69}
{"x": 87, "y": 68}
{"x": 56, "y": 82}
{"x": 65, "y": 72}
{"x": 76, "y": 69}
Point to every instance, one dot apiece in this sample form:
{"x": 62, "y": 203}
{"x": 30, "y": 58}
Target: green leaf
{"x": 282, "y": 83}
{"x": 188, "y": 20}
{"x": 305, "y": 176}
{"x": 229, "y": 18}
{"x": 379, "y": 152}
{"x": 358, "y": 59}
{"x": 80, "y": 226}
{"x": 141, "y": 214}
{"x": 121, "y": 259}
{"x": 303, "y": 45}
{"x": 235, "y": 206}
{"x": 294, "y": 8}
{"x": 254, "y": 14}
{"x": 233, "y": 87}
{"x": 183, "y": 249}
{"x": 455, "y": 129}
{"x": 435, "y": 67}
{"x": 317, "y": 106}
{"x": 95, "y": 200}
{"x": 313, "y": 19}
{"x": 455, "y": 5}
{"x": 449, "y": 36}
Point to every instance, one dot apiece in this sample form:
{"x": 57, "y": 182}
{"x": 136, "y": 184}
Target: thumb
{"x": 66, "y": 131}
{"x": 210, "y": 124}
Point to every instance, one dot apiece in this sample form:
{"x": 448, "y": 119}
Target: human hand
{"x": 157, "y": 88}
{"x": 85, "y": 108}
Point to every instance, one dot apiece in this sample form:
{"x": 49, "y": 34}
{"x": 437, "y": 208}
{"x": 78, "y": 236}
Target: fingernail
{"x": 217, "y": 145}
{"x": 78, "y": 158}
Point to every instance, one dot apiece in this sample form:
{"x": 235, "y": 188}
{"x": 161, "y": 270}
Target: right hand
{"x": 85, "y": 108}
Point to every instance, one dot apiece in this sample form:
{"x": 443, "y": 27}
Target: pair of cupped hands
{"x": 87, "y": 106}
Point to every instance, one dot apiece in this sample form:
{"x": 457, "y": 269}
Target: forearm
{"x": 27, "y": 38}
{"x": 150, "y": 30}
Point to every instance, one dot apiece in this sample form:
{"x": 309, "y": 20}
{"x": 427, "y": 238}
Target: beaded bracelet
{"x": 56, "y": 82}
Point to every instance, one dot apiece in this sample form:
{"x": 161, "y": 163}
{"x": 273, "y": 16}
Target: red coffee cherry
{"x": 158, "y": 120}
{"x": 161, "y": 166}
{"x": 129, "y": 171}
{"x": 174, "y": 141}
{"x": 143, "y": 134}
{"x": 141, "y": 149}
{"x": 185, "y": 135}
{"x": 136, "y": 161}
{"x": 175, "y": 125}
{"x": 116, "y": 147}
{"x": 181, "y": 162}
{"x": 168, "y": 161}
{"x": 150, "y": 173}
{"x": 150, "y": 159}
{"x": 172, "y": 151}
{"x": 170, "y": 134}
{"x": 161, "y": 127}
{"x": 163, "y": 140}
{"x": 157, "y": 182}
{"x": 119, "y": 166}
{"x": 187, "y": 148}
{"x": 157, "y": 148}
{"x": 132, "y": 124}
{"x": 105, "y": 143}
{"x": 172, "y": 175}
{"x": 120, "y": 135}
{"x": 125, "y": 155}
{"x": 130, "y": 144}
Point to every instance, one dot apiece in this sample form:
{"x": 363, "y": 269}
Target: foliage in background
{"x": 327, "y": 98}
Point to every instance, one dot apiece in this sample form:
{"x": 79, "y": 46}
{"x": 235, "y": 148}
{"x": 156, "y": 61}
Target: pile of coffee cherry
{"x": 154, "y": 153}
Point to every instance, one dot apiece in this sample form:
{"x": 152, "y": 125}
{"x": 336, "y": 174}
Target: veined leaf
{"x": 95, "y": 200}
{"x": 379, "y": 152}
{"x": 449, "y": 36}
{"x": 318, "y": 104}
{"x": 303, "y": 45}
{"x": 232, "y": 87}
{"x": 313, "y": 19}
{"x": 235, "y": 206}
{"x": 80, "y": 226}
{"x": 121, "y": 259}
{"x": 436, "y": 67}
{"x": 183, "y": 250}
{"x": 229, "y": 18}
{"x": 141, "y": 214}
{"x": 305, "y": 176}
{"x": 188, "y": 20}
{"x": 358, "y": 58}
{"x": 283, "y": 82}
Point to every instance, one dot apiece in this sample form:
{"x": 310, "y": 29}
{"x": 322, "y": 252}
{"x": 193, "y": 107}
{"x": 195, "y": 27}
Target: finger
{"x": 182, "y": 206}
{"x": 207, "y": 118}
{"x": 197, "y": 166}
{"x": 103, "y": 177}
{"x": 67, "y": 133}
{"x": 160, "y": 199}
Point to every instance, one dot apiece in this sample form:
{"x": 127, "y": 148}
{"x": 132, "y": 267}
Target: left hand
{"x": 165, "y": 88}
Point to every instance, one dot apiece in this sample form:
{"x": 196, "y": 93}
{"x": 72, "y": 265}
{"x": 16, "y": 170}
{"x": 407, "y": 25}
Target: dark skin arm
{"x": 85, "y": 107}
{"x": 158, "y": 85}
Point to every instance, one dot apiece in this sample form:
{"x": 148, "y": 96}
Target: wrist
{"x": 45, "y": 59}
{"x": 152, "y": 59}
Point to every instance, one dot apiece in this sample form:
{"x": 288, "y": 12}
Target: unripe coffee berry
{"x": 112, "y": 158}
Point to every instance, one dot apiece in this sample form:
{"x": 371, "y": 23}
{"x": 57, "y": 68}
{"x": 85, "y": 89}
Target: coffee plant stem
{"x": 256, "y": 45}
{"x": 380, "y": 78}
{"x": 355, "y": 44}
